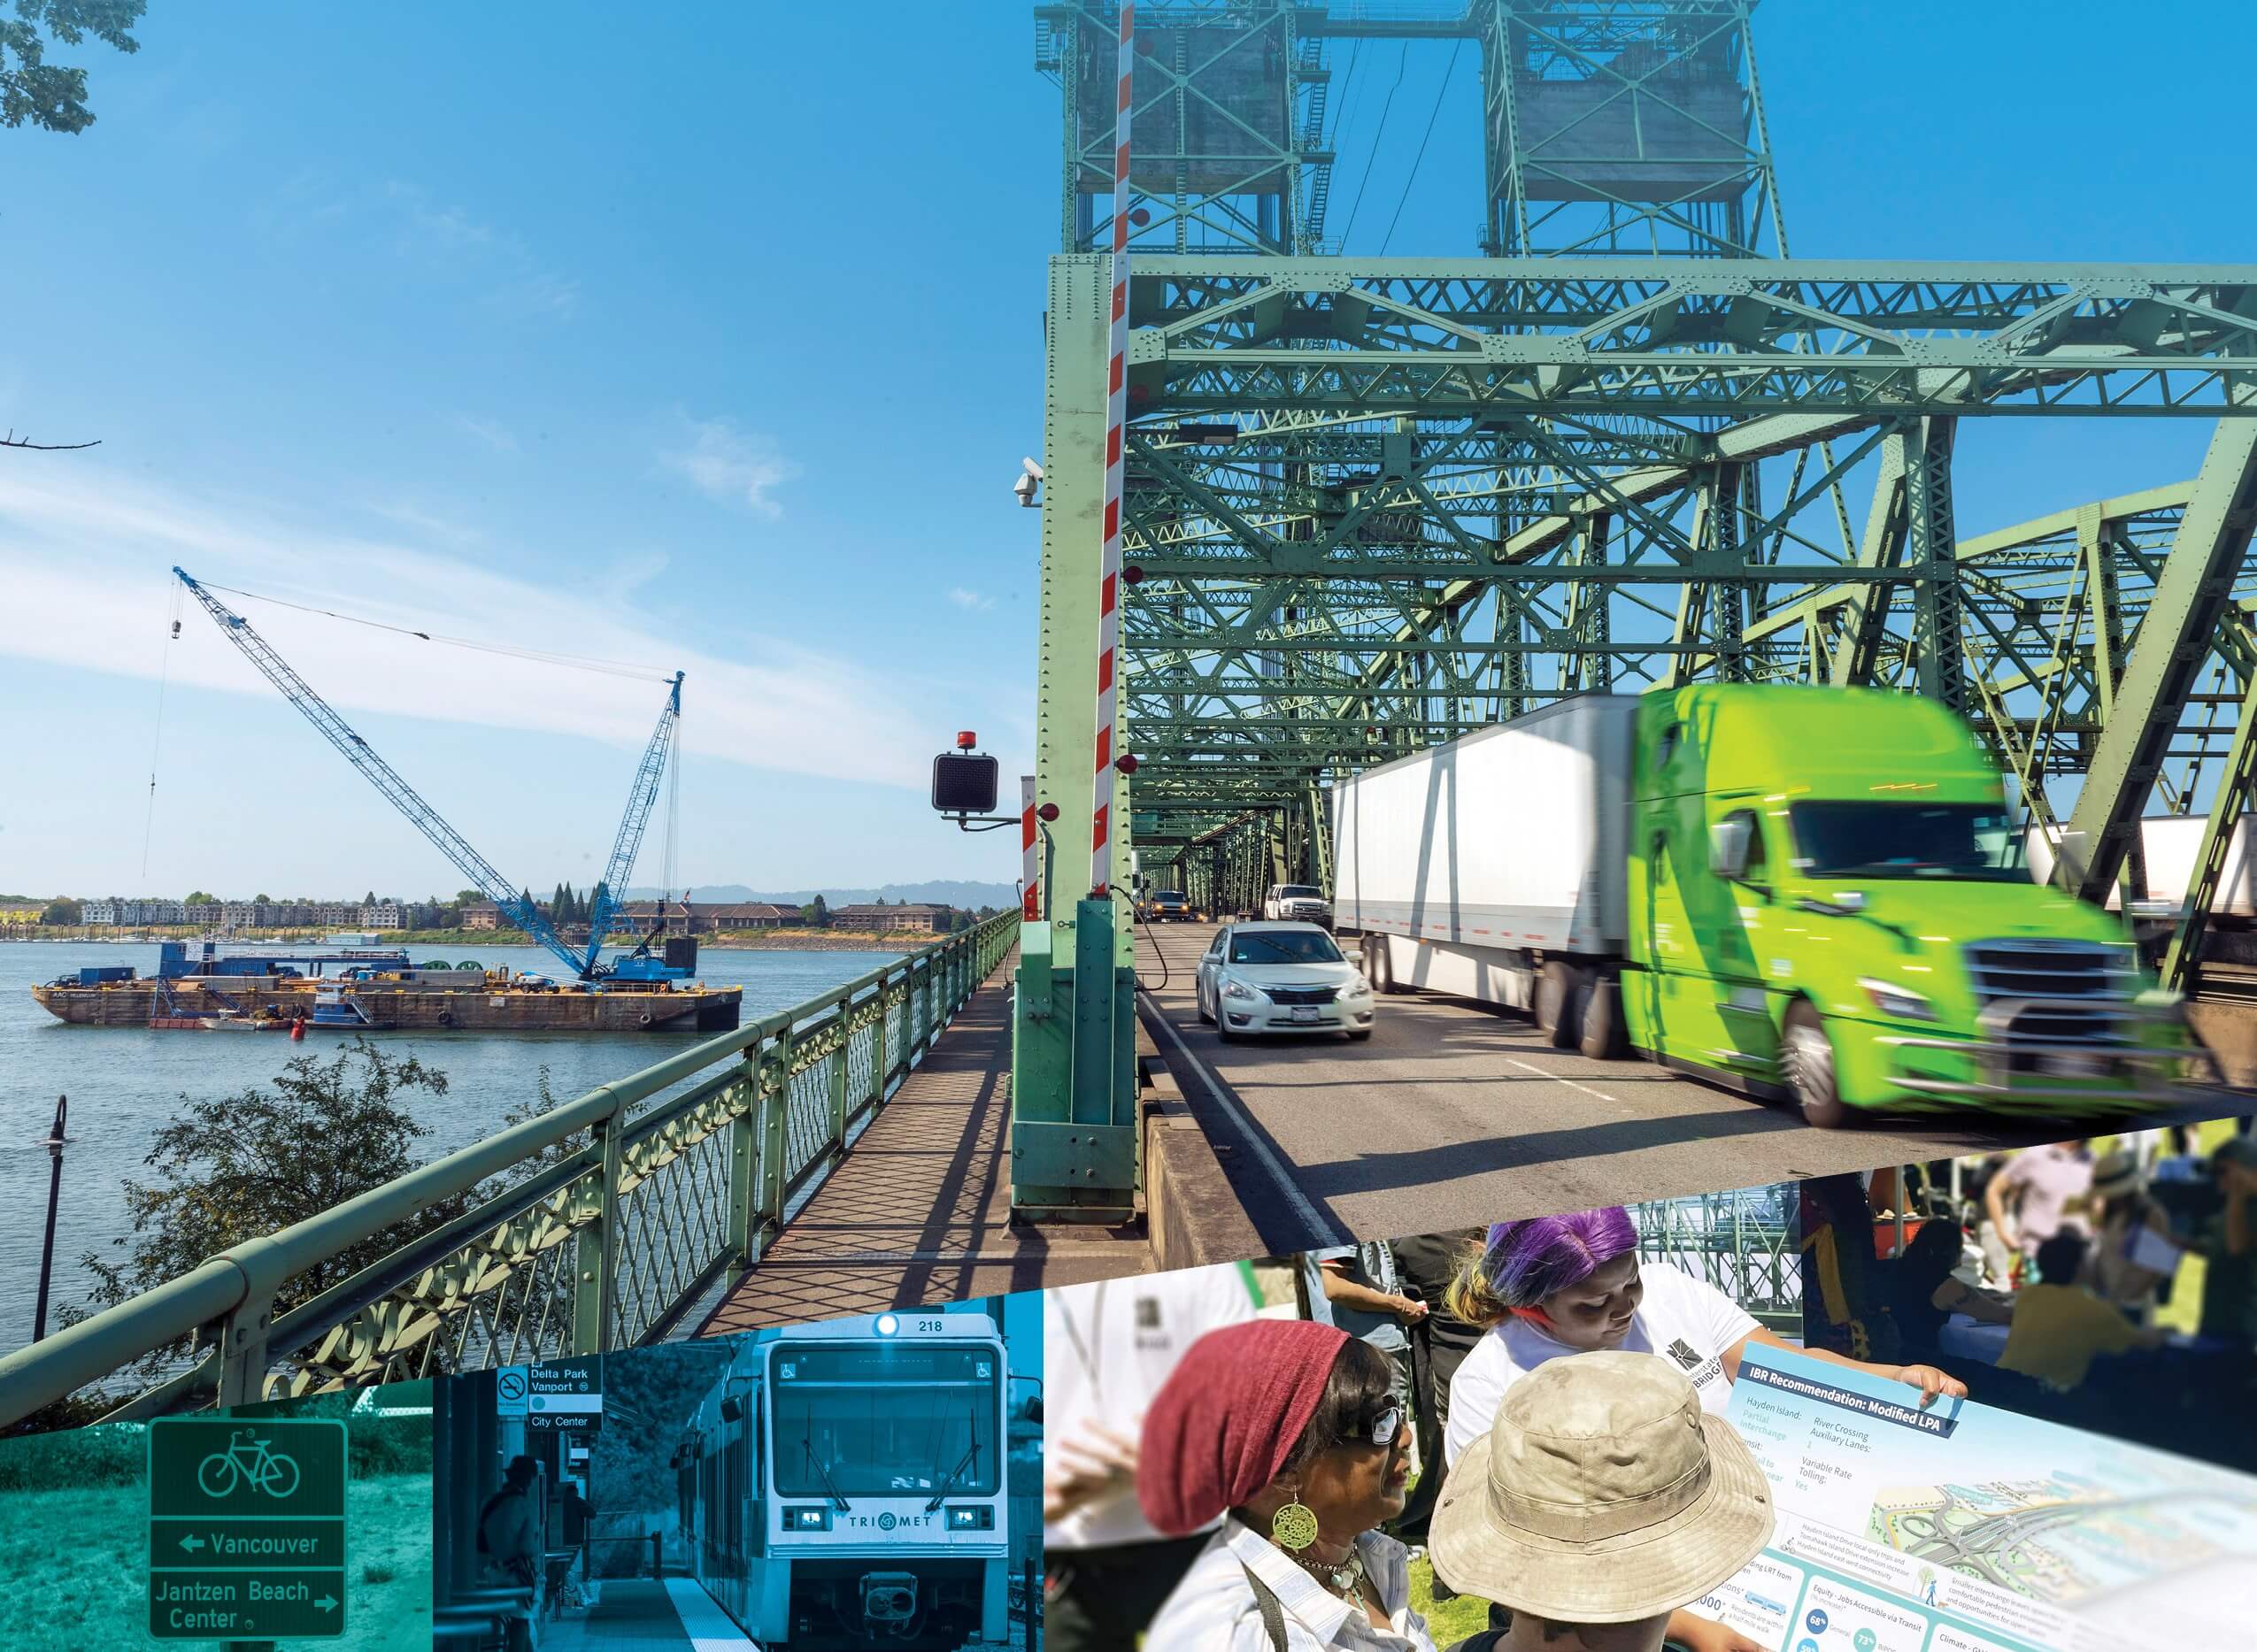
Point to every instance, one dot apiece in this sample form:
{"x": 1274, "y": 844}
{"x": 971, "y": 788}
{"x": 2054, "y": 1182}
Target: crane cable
{"x": 613, "y": 668}
{"x": 157, "y": 740}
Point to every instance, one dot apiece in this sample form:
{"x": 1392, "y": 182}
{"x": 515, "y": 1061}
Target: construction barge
{"x": 249, "y": 988}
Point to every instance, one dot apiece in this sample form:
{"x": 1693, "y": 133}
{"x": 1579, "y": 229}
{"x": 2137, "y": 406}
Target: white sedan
{"x": 1281, "y": 978}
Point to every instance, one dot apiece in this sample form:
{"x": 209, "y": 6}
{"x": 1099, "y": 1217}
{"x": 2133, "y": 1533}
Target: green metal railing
{"x": 599, "y": 1247}
{"x": 1745, "y": 1242}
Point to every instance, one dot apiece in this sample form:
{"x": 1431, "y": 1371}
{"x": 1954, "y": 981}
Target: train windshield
{"x": 886, "y": 1420}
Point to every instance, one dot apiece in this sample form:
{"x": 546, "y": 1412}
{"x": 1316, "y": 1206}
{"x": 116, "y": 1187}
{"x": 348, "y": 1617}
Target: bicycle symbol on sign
{"x": 246, "y": 1461}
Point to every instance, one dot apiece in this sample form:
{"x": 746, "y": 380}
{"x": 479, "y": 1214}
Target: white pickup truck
{"x": 1296, "y": 903}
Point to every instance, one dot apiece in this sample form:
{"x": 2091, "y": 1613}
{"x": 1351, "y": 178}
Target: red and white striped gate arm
{"x": 1116, "y": 412}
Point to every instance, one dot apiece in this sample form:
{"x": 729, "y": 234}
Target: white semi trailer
{"x": 1465, "y": 868}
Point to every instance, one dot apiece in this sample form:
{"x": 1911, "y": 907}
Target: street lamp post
{"x": 55, "y": 1140}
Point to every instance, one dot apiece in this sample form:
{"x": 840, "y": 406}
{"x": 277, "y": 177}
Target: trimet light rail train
{"x": 844, "y": 1486}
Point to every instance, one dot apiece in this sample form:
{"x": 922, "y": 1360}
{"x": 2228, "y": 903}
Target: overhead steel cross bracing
{"x": 1678, "y": 340}
{"x": 1373, "y": 591}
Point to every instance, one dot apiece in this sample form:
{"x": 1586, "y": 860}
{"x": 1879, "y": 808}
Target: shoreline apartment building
{"x": 914, "y": 917}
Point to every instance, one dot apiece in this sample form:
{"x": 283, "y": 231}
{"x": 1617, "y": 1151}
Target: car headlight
{"x": 1357, "y": 986}
{"x": 1238, "y": 989}
{"x": 1901, "y": 1002}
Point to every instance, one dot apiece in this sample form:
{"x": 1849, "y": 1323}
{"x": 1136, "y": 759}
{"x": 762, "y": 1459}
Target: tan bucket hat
{"x": 2118, "y": 1172}
{"x": 1601, "y": 1494}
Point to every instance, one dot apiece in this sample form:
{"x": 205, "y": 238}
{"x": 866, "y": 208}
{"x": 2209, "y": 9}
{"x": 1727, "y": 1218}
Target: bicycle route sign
{"x": 246, "y": 1528}
{"x": 565, "y": 1393}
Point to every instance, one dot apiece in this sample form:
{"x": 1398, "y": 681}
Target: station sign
{"x": 565, "y": 1393}
{"x": 246, "y": 1528}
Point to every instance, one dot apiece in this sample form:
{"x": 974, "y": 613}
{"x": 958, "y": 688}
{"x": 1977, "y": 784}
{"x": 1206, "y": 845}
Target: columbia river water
{"x": 124, "y": 1083}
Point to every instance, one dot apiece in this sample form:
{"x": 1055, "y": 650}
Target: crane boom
{"x": 516, "y": 904}
{"x": 640, "y": 797}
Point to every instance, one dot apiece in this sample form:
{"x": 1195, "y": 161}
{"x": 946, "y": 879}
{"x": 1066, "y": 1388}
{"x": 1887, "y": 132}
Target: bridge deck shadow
{"x": 919, "y": 1211}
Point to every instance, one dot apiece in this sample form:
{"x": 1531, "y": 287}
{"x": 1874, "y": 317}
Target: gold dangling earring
{"x": 1294, "y": 1526}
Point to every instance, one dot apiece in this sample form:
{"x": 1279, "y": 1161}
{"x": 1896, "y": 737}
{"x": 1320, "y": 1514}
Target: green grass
{"x": 73, "y": 1568}
{"x": 1448, "y": 1621}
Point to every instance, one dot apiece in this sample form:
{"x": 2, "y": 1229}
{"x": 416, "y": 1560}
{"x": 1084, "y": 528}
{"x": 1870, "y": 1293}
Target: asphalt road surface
{"x": 1455, "y": 1114}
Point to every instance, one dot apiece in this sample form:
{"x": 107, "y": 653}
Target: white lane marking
{"x": 1556, "y": 1079}
{"x": 1317, "y": 1222}
{"x": 709, "y": 1628}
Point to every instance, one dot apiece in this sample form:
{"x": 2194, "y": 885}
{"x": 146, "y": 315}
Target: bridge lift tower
{"x": 1370, "y": 503}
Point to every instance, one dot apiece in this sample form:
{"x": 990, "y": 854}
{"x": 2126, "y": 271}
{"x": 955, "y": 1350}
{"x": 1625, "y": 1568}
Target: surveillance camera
{"x": 1030, "y": 478}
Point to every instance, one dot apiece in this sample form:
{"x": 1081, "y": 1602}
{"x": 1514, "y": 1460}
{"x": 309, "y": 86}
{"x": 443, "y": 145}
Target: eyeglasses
{"x": 1382, "y": 1429}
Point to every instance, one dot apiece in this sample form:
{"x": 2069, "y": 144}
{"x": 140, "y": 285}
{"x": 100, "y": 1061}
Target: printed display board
{"x": 1964, "y": 1528}
{"x": 246, "y": 1528}
{"x": 565, "y": 1393}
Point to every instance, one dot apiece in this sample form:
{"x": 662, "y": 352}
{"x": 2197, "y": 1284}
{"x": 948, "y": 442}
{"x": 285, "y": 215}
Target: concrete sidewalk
{"x": 919, "y": 1211}
{"x": 638, "y": 1615}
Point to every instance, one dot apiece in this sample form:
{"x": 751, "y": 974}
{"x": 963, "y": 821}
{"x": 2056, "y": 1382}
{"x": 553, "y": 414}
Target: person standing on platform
{"x": 509, "y": 1542}
{"x": 1107, "y": 1350}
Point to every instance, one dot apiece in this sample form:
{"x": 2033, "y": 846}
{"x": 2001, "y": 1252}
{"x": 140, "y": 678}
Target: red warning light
{"x": 965, "y": 740}
{"x": 1127, "y": 763}
{"x": 1048, "y": 812}
{"x": 1132, "y": 575}
{"x": 1139, "y": 217}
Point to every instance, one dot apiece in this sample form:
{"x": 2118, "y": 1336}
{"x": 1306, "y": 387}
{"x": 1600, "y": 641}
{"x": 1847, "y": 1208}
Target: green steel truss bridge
{"x": 1373, "y": 502}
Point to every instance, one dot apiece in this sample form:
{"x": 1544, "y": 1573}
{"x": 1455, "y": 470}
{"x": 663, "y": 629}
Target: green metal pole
{"x": 1073, "y": 1100}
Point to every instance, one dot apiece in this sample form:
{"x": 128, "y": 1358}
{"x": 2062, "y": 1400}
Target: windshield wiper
{"x": 969, "y": 1460}
{"x": 824, "y": 1469}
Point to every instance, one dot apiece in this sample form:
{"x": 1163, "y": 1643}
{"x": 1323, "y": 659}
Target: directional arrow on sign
{"x": 327, "y": 1604}
{"x": 191, "y": 1543}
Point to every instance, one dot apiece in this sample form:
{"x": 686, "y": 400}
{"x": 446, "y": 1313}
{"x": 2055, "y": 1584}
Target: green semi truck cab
{"x": 1826, "y": 902}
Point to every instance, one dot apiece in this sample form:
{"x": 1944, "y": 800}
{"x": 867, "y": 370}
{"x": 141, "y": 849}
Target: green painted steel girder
{"x": 1487, "y": 338}
{"x": 2190, "y": 596}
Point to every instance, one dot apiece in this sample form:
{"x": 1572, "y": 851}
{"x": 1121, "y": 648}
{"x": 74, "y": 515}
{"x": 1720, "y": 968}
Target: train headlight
{"x": 887, "y": 1324}
{"x": 972, "y": 1518}
{"x": 817, "y": 1518}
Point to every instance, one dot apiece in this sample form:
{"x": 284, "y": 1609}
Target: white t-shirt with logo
{"x": 1690, "y": 1324}
{"x": 1107, "y": 1349}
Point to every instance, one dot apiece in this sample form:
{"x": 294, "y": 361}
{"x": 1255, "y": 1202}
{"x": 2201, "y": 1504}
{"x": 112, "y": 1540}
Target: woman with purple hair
{"x": 1550, "y": 1285}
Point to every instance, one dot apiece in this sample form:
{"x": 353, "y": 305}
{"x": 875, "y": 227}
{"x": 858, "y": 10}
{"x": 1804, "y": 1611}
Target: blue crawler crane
{"x": 640, "y": 967}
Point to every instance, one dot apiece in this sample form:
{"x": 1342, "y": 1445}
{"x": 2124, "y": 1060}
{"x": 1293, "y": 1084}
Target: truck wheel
{"x": 1605, "y": 1038}
{"x": 1561, "y": 992}
{"x": 1379, "y": 964}
{"x": 1809, "y": 1057}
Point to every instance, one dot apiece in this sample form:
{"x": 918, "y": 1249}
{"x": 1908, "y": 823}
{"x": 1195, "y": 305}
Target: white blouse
{"x": 1213, "y": 1608}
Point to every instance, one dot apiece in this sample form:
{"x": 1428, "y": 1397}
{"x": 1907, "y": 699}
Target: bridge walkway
{"x": 918, "y": 1209}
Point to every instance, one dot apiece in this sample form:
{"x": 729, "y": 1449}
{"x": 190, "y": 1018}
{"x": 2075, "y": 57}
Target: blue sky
{"x": 712, "y": 343}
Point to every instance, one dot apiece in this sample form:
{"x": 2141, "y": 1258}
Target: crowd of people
{"x": 2071, "y": 1272}
{"x": 1533, "y": 1407}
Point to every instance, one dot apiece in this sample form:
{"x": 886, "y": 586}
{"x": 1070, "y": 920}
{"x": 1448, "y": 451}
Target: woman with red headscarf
{"x": 1292, "y": 1430}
